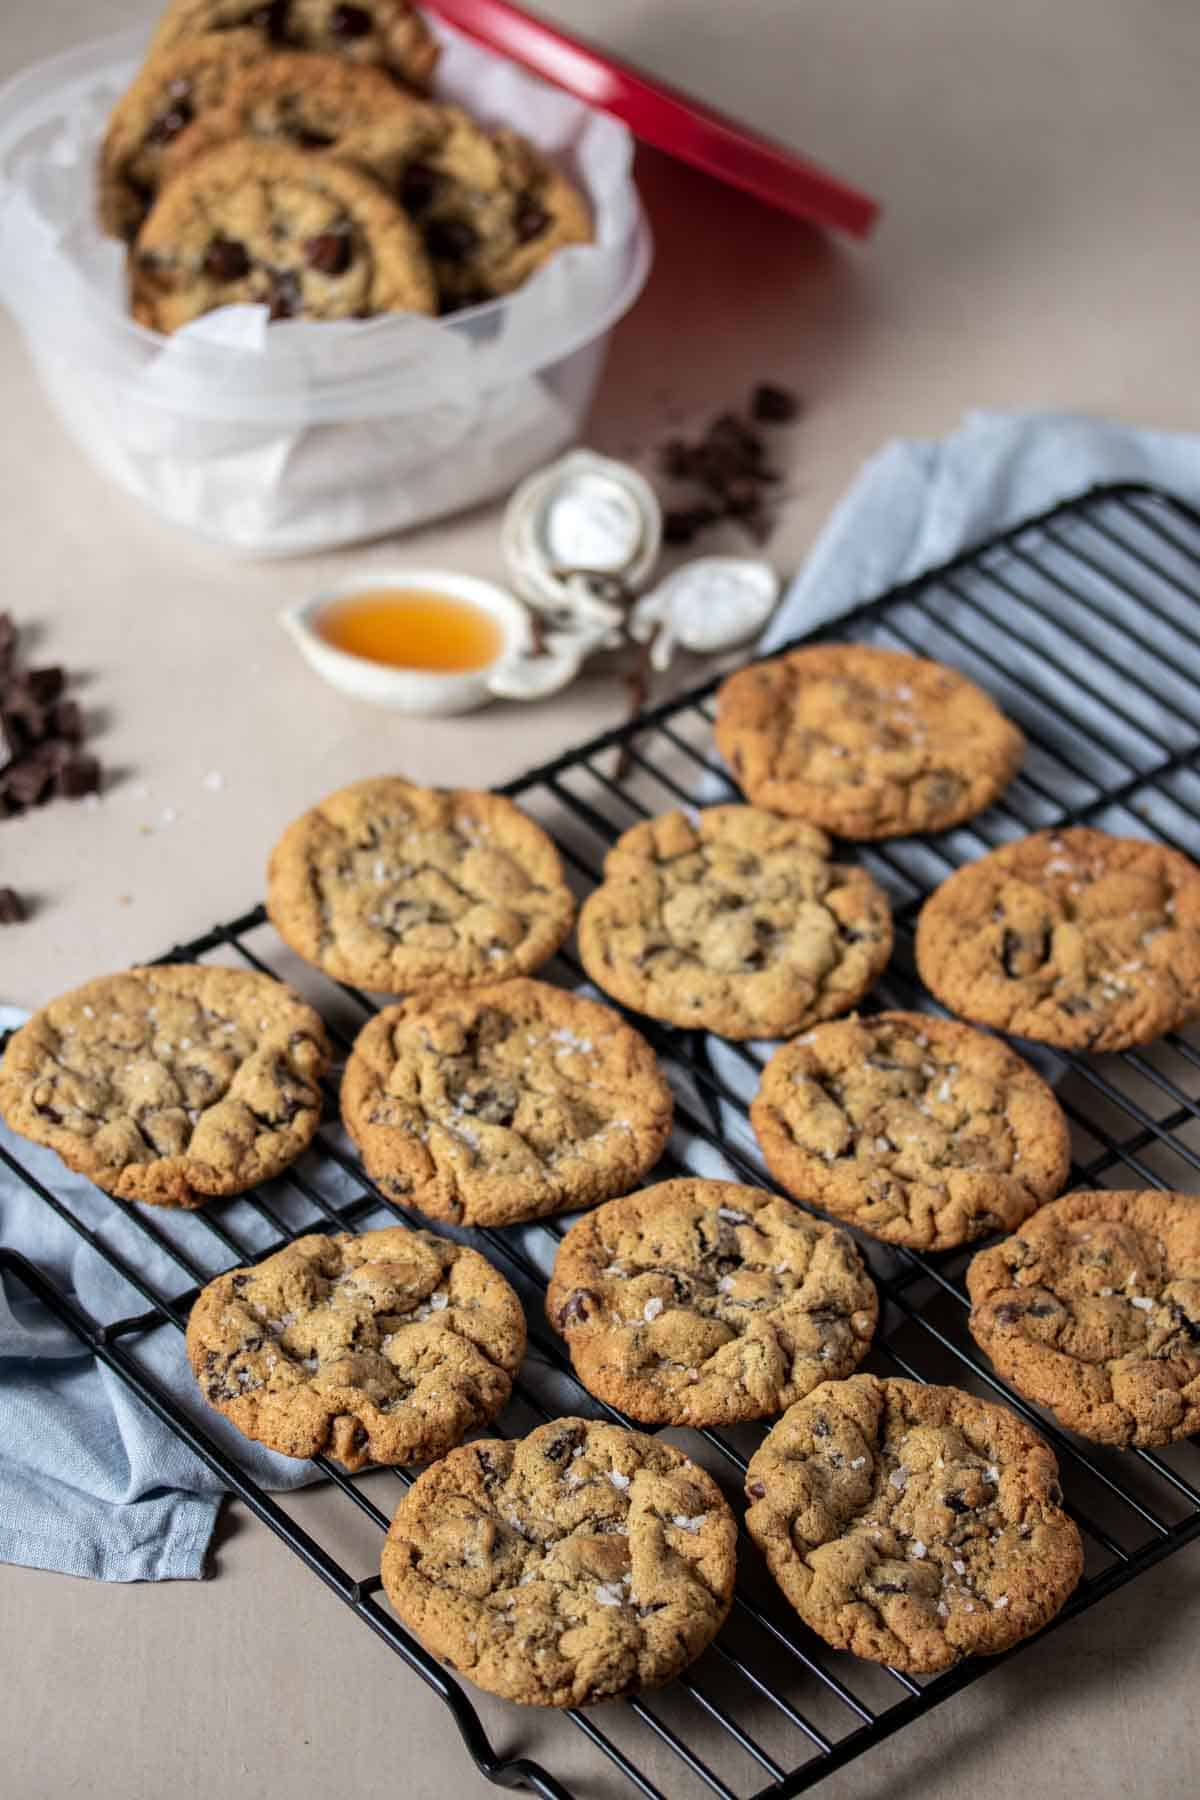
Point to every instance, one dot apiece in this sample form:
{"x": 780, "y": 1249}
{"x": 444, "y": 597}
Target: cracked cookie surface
{"x": 504, "y": 1103}
{"x": 912, "y": 1525}
{"x": 579, "y": 1564}
{"x": 170, "y": 1084}
{"x": 389, "y": 32}
{"x": 173, "y": 89}
{"x": 252, "y": 223}
{"x": 383, "y": 1348}
{"x": 1070, "y": 937}
{"x": 400, "y": 888}
{"x": 1093, "y": 1310}
{"x": 705, "y": 1302}
{"x": 919, "y": 1130}
{"x": 868, "y": 743}
{"x": 738, "y": 923}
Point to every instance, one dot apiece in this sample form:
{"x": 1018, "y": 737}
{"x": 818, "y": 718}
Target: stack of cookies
{"x": 909, "y": 1524}
{"x": 288, "y": 154}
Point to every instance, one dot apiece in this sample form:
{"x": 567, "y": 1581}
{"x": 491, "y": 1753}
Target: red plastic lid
{"x": 664, "y": 116}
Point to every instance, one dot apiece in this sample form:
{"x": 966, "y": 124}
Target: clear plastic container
{"x": 304, "y": 436}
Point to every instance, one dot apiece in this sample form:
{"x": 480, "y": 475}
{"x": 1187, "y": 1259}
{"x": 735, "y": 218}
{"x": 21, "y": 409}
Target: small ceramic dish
{"x": 417, "y": 690}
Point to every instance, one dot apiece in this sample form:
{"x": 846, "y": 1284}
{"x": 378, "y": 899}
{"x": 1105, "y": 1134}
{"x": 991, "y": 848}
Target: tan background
{"x": 1039, "y": 249}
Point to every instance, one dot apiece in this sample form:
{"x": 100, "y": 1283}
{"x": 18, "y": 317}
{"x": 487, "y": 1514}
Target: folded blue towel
{"x": 90, "y": 1482}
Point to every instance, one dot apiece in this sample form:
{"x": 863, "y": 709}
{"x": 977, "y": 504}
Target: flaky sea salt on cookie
{"x": 170, "y": 1084}
{"x": 734, "y": 921}
{"x": 912, "y": 1525}
{"x": 385, "y": 1348}
{"x": 504, "y": 1103}
{"x": 582, "y": 1563}
{"x": 401, "y": 888}
{"x": 867, "y": 743}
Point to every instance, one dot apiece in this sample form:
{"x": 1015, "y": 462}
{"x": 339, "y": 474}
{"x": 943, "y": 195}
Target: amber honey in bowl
{"x": 412, "y": 628}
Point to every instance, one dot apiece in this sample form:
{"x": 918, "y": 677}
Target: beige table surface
{"x": 1039, "y": 249}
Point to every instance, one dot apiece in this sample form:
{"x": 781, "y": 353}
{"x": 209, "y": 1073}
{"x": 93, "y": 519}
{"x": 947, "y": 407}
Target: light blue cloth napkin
{"x": 90, "y": 1482}
{"x": 917, "y": 503}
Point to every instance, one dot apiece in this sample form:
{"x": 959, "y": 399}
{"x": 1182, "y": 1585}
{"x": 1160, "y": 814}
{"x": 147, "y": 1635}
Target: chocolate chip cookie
{"x": 1072, "y": 937}
{"x": 733, "y": 920}
{"x": 389, "y": 32}
{"x": 916, "y": 1129}
{"x": 706, "y": 1303}
{"x": 490, "y": 206}
{"x": 582, "y": 1563}
{"x": 256, "y": 223}
{"x": 1094, "y": 1311}
{"x": 912, "y": 1525}
{"x": 504, "y": 1103}
{"x": 400, "y": 888}
{"x": 384, "y": 1348}
{"x": 868, "y": 743}
{"x": 168, "y": 99}
{"x": 170, "y": 1084}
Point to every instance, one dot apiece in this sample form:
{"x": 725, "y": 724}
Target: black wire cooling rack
{"x": 1085, "y": 625}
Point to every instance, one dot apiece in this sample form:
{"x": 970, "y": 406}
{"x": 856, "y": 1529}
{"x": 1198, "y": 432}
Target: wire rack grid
{"x": 1084, "y": 624}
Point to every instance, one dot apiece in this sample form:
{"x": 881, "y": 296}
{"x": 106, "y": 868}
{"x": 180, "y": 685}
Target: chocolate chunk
{"x": 81, "y": 775}
{"x": 757, "y": 1490}
{"x": 418, "y": 185}
{"x": 45, "y": 684}
{"x": 682, "y": 524}
{"x": 574, "y": 1309}
{"x": 957, "y": 1504}
{"x": 284, "y": 299}
{"x": 66, "y": 720}
{"x": 27, "y": 783}
{"x": 170, "y": 123}
{"x": 451, "y": 240}
{"x": 676, "y": 459}
{"x": 350, "y": 22}
{"x": 331, "y": 252}
{"x": 304, "y": 139}
{"x": 226, "y": 260}
{"x": 12, "y": 909}
{"x": 11, "y": 743}
{"x": 272, "y": 19}
{"x": 531, "y": 220}
{"x": 773, "y": 405}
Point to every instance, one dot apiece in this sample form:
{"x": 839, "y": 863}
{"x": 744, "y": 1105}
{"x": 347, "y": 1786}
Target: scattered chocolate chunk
{"x": 772, "y": 405}
{"x": 684, "y": 523}
{"x": 226, "y": 260}
{"x": 729, "y": 464}
{"x": 12, "y": 908}
{"x": 28, "y": 782}
{"x": 67, "y": 720}
{"x": 304, "y": 139}
{"x": 531, "y": 220}
{"x": 451, "y": 240}
{"x": 40, "y": 732}
{"x": 350, "y": 22}
{"x": 330, "y": 253}
{"x": 45, "y": 684}
{"x": 79, "y": 776}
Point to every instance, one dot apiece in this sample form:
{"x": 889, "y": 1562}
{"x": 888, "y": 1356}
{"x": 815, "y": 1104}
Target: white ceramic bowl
{"x": 414, "y": 690}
